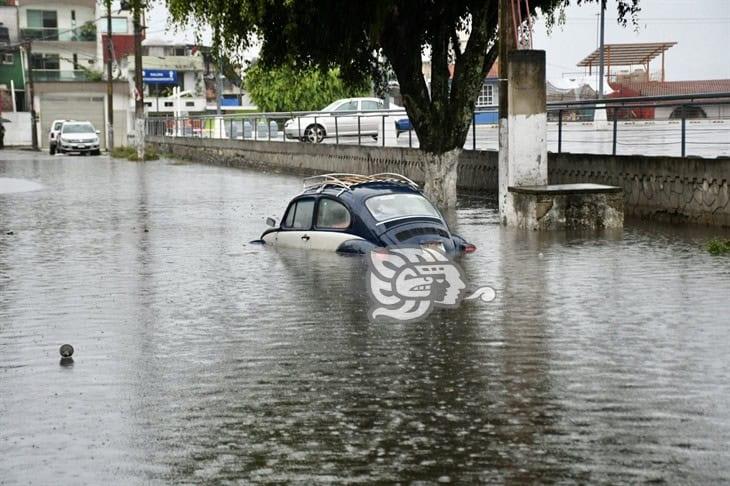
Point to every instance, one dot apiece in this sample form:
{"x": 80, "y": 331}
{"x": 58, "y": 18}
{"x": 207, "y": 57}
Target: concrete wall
{"x": 664, "y": 188}
{"x": 17, "y": 132}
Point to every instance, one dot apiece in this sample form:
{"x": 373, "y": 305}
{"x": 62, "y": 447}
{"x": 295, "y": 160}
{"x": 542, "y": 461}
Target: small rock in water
{"x": 66, "y": 351}
{"x": 10, "y": 233}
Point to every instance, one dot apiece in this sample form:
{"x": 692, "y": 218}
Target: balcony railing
{"x": 84, "y": 33}
{"x": 56, "y": 75}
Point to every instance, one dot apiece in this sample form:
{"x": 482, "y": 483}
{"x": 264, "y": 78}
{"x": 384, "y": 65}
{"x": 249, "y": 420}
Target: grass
{"x": 130, "y": 153}
{"x": 718, "y": 246}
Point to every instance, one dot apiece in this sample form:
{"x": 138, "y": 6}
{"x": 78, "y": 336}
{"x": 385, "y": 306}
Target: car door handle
{"x": 305, "y": 237}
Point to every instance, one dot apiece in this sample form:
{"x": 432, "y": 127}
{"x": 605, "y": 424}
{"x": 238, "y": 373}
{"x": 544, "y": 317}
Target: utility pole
{"x": 31, "y": 99}
{"x": 506, "y": 45}
{"x": 109, "y": 84}
{"x": 600, "y": 52}
{"x": 219, "y": 87}
{"x": 139, "y": 91}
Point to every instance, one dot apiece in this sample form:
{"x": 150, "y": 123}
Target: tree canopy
{"x": 285, "y": 88}
{"x": 356, "y": 35}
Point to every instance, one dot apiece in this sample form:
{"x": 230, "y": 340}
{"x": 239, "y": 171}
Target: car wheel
{"x": 52, "y": 150}
{"x": 96, "y": 152}
{"x": 314, "y": 133}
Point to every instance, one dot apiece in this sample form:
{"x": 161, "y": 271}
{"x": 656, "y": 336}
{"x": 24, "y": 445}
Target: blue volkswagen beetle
{"x": 351, "y": 213}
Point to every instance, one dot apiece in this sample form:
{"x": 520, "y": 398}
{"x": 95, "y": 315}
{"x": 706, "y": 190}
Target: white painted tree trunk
{"x": 441, "y": 172}
{"x": 139, "y": 137}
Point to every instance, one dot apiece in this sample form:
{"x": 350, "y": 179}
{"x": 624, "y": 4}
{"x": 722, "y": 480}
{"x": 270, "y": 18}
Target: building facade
{"x": 64, "y": 39}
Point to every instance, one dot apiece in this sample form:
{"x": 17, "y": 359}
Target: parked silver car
{"x": 78, "y": 136}
{"x": 341, "y": 119}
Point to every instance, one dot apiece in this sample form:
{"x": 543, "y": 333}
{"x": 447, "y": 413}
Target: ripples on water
{"x": 201, "y": 358}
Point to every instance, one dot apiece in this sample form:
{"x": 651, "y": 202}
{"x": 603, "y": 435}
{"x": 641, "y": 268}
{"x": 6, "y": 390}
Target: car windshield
{"x": 331, "y": 106}
{"x": 393, "y": 206}
{"x": 78, "y": 128}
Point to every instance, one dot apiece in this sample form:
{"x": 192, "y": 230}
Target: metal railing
{"x": 621, "y": 126}
{"x": 84, "y": 33}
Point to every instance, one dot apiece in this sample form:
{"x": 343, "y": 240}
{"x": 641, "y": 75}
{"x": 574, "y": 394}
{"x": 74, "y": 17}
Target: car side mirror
{"x": 98, "y": 132}
{"x": 271, "y": 222}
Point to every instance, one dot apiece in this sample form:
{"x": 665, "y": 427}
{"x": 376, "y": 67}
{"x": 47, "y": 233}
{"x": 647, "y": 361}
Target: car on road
{"x": 352, "y": 213}
{"x": 78, "y": 136}
{"x": 340, "y": 119}
{"x": 53, "y": 134}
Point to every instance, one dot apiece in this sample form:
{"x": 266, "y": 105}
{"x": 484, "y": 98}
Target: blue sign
{"x": 159, "y": 76}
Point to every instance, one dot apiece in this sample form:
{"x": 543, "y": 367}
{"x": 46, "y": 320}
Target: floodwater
{"x": 201, "y": 358}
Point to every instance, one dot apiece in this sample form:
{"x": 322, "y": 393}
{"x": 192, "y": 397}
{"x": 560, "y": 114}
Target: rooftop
{"x": 626, "y": 54}
{"x": 660, "y": 88}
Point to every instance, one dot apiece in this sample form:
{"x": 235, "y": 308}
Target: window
{"x": 369, "y": 105}
{"x": 8, "y": 58}
{"x": 347, "y": 106}
{"x": 332, "y": 215}
{"x": 392, "y": 206}
{"x": 300, "y": 215}
{"x": 73, "y": 15}
{"x": 78, "y": 128}
{"x": 42, "y": 19}
{"x": 169, "y": 103}
{"x": 486, "y": 95}
{"x": 189, "y": 103}
{"x": 119, "y": 26}
{"x": 49, "y": 62}
{"x": 179, "y": 51}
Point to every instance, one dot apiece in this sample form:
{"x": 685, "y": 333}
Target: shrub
{"x": 718, "y": 246}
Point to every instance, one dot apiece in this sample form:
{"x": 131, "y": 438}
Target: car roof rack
{"x": 347, "y": 181}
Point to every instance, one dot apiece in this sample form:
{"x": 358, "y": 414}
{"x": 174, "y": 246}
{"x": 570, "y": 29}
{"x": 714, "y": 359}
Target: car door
{"x": 332, "y": 223}
{"x": 296, "y": 228}
{"x": 370, "y": 120}
{"x": 346, "y": 114}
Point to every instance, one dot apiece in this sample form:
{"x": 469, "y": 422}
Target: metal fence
{"x": 696, "y": 125}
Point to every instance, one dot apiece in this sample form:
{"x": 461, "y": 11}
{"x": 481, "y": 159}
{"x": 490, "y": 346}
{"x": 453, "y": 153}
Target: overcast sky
{"x": 701, "y": 29}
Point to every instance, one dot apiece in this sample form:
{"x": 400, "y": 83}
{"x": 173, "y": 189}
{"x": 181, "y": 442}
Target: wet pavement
{"x": 203, "y": 359}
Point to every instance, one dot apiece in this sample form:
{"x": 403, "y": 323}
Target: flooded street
{"x": 201, "y": 358}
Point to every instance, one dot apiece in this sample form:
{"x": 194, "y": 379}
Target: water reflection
{"x": 201, "y": 358}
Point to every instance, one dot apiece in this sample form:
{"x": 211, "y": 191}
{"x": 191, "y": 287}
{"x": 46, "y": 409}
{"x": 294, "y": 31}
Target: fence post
{"x": 383, "y": 132}
{"x": 358, "y": 130}
{"x": 684, "y": 130}
{"x": 474, "y": 130}
{"x": 299, "y": 128}
{"x": 337, "y": 132}
{"x": 615, "y": 132}
{"x": 560, "y": 131}
{"x": 409, "y": 135}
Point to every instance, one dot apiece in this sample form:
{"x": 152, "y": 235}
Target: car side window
{"x": 57, "y": 126}
{"x": 332, "y": 214}
{"x": 348, "y": 106}
{"x": 299, "y": 215}
{"x": 369, "y": 105}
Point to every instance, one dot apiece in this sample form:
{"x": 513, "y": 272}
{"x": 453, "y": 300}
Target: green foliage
{"x": 718, "y": 246}
{"x": 130, "y": 153}
{"x": 356, "y": 35}
{"x": 287, "y": 89}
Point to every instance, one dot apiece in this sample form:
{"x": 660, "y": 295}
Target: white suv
{"x": 53, "y": 135}
{"x": 78, "y": 136}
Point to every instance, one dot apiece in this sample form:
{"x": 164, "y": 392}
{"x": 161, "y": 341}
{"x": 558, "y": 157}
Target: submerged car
{"x": 351, "y": 213}
{"x": 341, "y": 118}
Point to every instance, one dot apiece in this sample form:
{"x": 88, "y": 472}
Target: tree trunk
{"x": 440, "y": 172}
{"x": 442, "y": 115}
